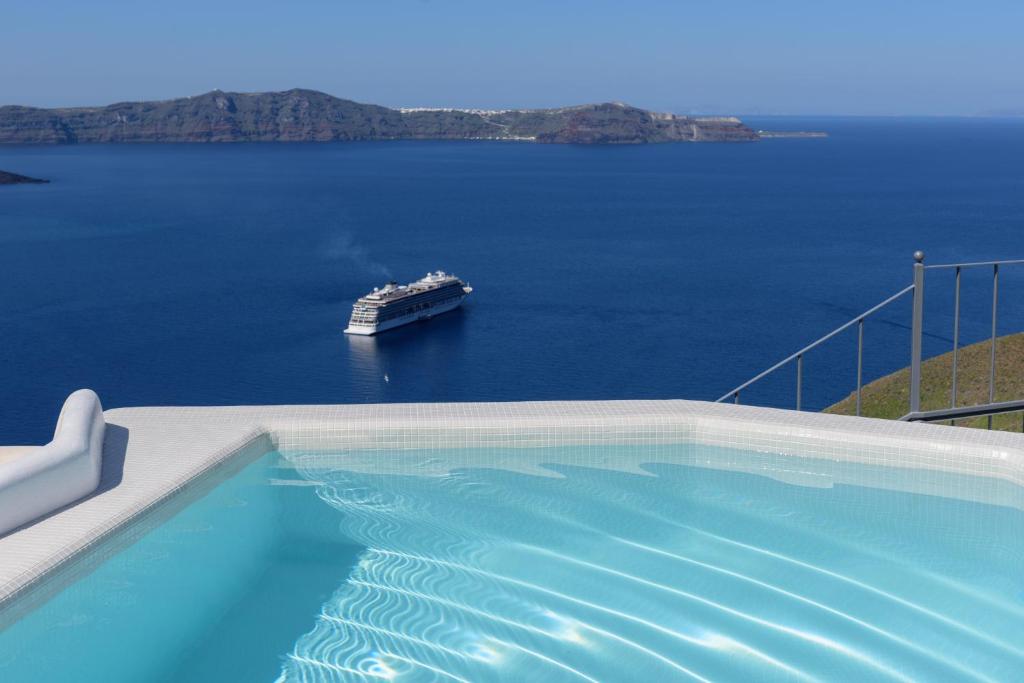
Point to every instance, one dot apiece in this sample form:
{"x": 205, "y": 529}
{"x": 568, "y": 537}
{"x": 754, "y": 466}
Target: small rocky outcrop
{"x": 15, "y": 179}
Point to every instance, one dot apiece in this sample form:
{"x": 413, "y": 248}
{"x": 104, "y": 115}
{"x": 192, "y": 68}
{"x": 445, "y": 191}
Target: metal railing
{"x": 992, "y": 407}
{"x": 799, "y": 355}
{"x": 981, "y": 410}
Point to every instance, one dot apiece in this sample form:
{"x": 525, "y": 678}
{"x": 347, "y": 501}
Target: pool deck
{"x": 151, "y": 453}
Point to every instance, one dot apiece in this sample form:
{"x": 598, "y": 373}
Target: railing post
{"x": 915, "y": 333}
{"x": 992, "y": 357}
{"x": 799, "y": 379}
{"x": 956, "y": 338}
{"x": 860, "y": 360}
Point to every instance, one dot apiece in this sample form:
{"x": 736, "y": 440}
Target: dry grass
{"x": 889, "y": 397}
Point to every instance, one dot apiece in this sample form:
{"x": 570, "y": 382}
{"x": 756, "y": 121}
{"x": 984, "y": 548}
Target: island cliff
{"x": 308, "y": 115}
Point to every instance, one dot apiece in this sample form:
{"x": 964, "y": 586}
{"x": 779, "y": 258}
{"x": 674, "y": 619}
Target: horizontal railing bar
{"x": 817, "y": 343}
{"x": 965, "y": 411}
{"x": 975, "y": 264}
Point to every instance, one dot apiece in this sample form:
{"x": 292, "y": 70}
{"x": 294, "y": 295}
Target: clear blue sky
{"x": 742, "y": 56}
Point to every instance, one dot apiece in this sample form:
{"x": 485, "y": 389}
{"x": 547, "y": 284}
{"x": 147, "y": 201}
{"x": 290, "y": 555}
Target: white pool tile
{"x": 163, "y": 449}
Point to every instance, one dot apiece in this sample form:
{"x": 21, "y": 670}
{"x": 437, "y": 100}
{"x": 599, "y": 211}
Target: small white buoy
{"x": 386, "y": 378}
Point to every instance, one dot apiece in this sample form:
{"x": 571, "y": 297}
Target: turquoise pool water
{"x": 413, "y": 566}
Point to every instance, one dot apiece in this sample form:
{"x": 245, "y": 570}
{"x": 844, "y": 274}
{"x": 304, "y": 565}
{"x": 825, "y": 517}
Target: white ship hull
{"x": 425, "y": 314}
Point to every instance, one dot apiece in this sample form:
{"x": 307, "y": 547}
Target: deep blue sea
{"x": 224, "y": 274}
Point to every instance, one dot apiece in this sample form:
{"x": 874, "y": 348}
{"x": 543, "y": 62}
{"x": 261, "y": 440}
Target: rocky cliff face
{"x": 308, "y": 115}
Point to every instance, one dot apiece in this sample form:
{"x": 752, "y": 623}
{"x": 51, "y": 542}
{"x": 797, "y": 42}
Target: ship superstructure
{"x": 393, "y": 305}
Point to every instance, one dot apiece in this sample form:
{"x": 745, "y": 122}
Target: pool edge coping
{"x": 151, "y": 437}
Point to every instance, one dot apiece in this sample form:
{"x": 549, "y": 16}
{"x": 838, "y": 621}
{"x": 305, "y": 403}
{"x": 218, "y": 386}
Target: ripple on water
{"x": 597, "y": 574}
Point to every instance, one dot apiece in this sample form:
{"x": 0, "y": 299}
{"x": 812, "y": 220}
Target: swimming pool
{"x": 531, "y": 558}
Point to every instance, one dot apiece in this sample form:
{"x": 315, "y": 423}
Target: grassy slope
{"x": 888, "y": 397}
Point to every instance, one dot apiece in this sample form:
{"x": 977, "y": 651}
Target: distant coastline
{"x": 311, "y": 116}
{"x": 767, "y": 134}
{"x": 16, "y": 179}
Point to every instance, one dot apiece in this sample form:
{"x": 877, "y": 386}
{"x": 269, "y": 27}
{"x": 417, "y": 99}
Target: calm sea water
{"x": 177, "y": 274}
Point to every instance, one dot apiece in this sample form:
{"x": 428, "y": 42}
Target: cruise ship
{"x": 394, "y": 305}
